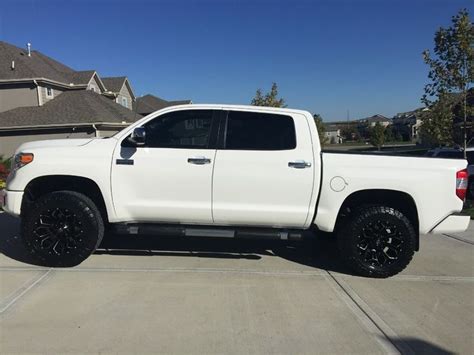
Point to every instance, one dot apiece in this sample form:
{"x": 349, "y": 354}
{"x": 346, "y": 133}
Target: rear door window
{"x": 259, "y": 131}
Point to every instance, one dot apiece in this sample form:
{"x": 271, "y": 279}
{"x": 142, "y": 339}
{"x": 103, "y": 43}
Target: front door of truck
{"x": 169, "y": 178}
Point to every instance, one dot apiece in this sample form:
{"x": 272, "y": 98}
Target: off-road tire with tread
{"x": 376, "y": 232}
{"x": 62, "y": 228}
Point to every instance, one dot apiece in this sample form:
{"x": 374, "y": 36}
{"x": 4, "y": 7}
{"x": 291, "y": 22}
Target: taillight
{"x": 461, "y": 184}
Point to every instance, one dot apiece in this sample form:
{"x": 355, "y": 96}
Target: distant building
{"x": 371, "y": 121}
{"x": 333, "y": 134}
{"x": 407, "y": 124}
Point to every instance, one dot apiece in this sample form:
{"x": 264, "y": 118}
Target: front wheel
{"x": 62, "y": 228}
{"x": 377, "y": 241}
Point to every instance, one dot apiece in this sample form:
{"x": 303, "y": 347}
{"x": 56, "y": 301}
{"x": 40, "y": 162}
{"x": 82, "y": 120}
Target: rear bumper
{"x": 452, "y": 223}
{"x": 11, "y": 201}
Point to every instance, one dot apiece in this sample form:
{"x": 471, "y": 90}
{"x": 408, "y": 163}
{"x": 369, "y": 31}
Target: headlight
{"x": 21, "y": 159}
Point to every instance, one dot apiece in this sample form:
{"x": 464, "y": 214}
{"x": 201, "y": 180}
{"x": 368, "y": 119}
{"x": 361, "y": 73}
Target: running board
{"x": 196, "y": 231}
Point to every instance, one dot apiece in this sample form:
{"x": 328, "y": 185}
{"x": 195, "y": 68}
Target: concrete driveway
{"x": 162, "y": 295}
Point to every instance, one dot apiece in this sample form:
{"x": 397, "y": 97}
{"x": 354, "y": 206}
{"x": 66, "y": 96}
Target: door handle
{"x": 124, "y": 162}
{"x": 299, "y": 164}
{"x": 199, "y": 160}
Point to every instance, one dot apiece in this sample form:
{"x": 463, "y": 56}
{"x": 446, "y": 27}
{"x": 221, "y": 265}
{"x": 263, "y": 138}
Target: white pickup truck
{"x": 230, "y": 171}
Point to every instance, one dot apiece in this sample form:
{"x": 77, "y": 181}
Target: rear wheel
{"x": 62, "y": 228}
{"x": 377, "y": 241}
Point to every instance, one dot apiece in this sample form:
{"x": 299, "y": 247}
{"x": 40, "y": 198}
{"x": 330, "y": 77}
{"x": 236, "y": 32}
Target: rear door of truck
{"x": 264, "y": 170}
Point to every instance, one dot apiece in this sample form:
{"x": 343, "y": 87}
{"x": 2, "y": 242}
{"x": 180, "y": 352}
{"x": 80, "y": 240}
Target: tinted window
{"x": 260, "y": 131}
{"x": 181, "y": 129}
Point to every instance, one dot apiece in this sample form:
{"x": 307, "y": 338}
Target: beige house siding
{"x": 124, "y": 93}
{"x": 94, "y": 85}
{"x": 44, "y": 93}
{"x": 8, "y": 144}
{"x": 18, "y": 95}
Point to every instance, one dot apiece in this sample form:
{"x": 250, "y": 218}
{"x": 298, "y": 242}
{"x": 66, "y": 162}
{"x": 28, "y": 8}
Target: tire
{"x": 62, "y": 228}
{"x": 377, "y": 241}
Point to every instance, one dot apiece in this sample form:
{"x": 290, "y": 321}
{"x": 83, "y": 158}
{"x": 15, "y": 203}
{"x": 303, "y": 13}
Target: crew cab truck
{"x": 230, "y": 171}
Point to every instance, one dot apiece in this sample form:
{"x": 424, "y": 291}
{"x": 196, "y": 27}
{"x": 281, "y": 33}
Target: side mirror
{"x": 138, "y": 137}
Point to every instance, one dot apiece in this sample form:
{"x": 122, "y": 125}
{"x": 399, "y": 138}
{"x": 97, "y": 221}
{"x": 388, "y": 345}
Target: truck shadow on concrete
{"x": 320, "y": 252}
{"x": 411, "y": 345}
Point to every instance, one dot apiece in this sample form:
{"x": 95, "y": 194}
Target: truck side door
{"x": 169, "y": 178}
{"x": 264, "y": 170}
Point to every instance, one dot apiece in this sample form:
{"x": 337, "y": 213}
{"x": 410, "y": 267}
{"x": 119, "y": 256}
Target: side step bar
{"x": 197, "y": 231}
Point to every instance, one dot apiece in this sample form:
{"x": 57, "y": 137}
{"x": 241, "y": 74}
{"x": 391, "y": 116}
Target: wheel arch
{"x": 399, "y": 200}
{"x": 42, "y": 185}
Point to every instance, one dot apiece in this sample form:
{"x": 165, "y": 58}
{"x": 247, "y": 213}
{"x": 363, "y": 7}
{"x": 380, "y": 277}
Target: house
{"x": 30, "y": 78}
{"x": 73, "y": 114}
{"x": 407, "y": 124}
{"x": 333, "y": 134}
{"x": 149, "y": 103}
{"x": 372, "y": 120}
{"x": 41, "y": 98}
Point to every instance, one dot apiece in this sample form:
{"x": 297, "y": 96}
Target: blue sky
{"x": 326, "y": 56}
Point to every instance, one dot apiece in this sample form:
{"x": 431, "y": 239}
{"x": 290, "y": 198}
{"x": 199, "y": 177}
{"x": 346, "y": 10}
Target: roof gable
{"x": 116, "y": 83}
{"x": 150, "y": 103}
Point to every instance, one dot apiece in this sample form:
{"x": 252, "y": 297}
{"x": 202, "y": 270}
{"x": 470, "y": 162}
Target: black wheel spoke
{"x": 380, "y": 243}
{"x": 58, "y": 231}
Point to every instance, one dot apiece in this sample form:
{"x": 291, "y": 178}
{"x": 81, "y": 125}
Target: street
{"x": 163, "y": 295}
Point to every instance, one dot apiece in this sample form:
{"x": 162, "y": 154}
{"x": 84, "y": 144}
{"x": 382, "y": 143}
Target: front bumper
{"x": 11, "y": 201}
{"x": 452, "y": 224}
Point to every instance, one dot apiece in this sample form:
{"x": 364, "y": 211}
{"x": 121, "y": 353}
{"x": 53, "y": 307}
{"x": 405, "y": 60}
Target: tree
{"x": 437, "y": 123}
{"x": 270, "y": 99}
{"x": 321, "y": 129}
{"x": 389, "y": 134}
{"x": 350, "y": 133}
{"x": 451, "y": 72}
{"x": 377, "y": 137}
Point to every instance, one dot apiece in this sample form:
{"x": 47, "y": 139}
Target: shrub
{"x": 4, "y": 171}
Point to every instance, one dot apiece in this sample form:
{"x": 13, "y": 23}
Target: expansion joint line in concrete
{"x": 22, "y": 291}
{"x": 373, "y": 323}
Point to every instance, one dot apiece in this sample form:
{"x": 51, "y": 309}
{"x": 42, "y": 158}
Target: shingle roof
{"x": 37, "y": 66}
{"x": 114, "y": 84}
{"x": 81, "y": 77}
{"x": 70, "y": 107}
{"x": 376, "y": 118}
{"x": 150, "y": 103}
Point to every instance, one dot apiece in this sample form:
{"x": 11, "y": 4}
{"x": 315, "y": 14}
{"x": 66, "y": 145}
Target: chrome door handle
{"x": 299, "y": 164}
{"x": 199, "y": 160}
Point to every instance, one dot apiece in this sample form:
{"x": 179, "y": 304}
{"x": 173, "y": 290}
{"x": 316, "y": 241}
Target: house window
{"x": 124, "y": 102}
{"x": 49, "y": 92}
{"x": 92, "y": 88}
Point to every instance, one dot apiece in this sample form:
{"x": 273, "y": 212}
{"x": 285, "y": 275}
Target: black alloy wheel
{"x": 377, "y": 241}
{"x": 62, "y": 228}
